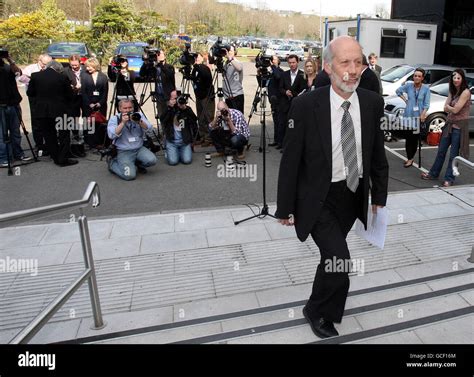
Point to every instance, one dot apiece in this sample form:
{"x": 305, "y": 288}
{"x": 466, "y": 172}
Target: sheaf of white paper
{"x": 376, "y": 227}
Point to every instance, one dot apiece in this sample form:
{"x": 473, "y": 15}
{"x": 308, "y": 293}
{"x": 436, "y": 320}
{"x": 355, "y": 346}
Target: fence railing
{"x": 92, "y": 195}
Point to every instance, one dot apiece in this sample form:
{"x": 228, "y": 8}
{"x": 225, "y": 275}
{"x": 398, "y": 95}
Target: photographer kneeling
{"x": 179, "y": 123}
{"x": 229, "y": 129}
{"x": 126, "y": 130}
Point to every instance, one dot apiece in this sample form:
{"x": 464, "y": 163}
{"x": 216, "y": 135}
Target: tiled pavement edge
{"x": 167, "y": 268}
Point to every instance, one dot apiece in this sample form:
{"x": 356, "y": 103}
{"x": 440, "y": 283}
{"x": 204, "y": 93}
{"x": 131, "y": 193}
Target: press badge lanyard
{"x": 417, "y": 94}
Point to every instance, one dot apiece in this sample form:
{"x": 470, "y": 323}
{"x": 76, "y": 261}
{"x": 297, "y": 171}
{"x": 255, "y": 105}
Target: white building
{"x": 393, "y": 41}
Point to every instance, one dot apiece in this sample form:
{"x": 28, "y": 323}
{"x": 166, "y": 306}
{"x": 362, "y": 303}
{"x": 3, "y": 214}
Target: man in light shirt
{"x": 40, "y": 65}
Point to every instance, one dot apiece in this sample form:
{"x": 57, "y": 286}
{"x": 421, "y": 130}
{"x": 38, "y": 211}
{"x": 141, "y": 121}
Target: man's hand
{"x": 290, "y": 221}
{"x": 374, "y": 208}
{"x": 289, "y": 94}
{"x": 125, "y": 118}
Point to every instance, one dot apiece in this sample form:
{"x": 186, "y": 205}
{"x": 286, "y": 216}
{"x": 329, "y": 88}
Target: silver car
{"x": 396, "y": 76}
{"x": 284, "y": 51}
{"x": 436, "y": 117}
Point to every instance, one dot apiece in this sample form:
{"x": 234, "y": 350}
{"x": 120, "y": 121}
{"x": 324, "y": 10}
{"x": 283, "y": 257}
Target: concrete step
{"x": 173, "y": 278}
{"x": 380, "y": 306}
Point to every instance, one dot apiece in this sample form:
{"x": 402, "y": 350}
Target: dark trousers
{"x": 38, "y": 136}
{"x": 411, "y": 144}
{"x": 331, "y": 284}
{"x": 276, "y": 120}
{"x": 282, "y": 124}
{"x": 236, "y": 102}
{"x": 222, "y": 139}
{"x": 57, "y": 142}
{"x": 205, "y": 109}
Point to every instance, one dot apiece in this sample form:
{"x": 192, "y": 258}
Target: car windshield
{"x": 67, "y": 49}
{"x": 396, "y": 73}
{"x": 441, "y": 89}
{"x": 284, "y": 48}
{"x": 131, "y": 50}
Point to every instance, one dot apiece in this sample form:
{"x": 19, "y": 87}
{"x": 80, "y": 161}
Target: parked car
{"x": 284, "y": 51}
{"x": 133, "y": 51}
{"x": 275, "y": 43}
{"x": 396, "y": 76}
{"x": 436, "y": 117}
{"x": 61, "y": 51}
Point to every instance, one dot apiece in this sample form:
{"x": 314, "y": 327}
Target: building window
{"x": 393, "y": 43}
{"x": 423, "y": 34}
{"x": 331, "y": 34}
{"x": 352, "y": 32}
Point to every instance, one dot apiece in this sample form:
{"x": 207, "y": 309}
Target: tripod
{"x": 7, "y": 138}
{"x": 263, "y": 104}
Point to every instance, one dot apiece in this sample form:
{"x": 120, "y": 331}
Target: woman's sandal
{"x": 447, "y": 184}
{"x": 427, "y": 177}
{"x": 405, "y": 165}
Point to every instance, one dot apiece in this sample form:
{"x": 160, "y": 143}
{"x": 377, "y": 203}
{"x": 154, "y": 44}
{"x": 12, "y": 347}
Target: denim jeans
{"x": 221, "y": 140}
{"x": 454, "y": 138}
{"x": 176, "y": 152}
{"x": 124, "y": 164}
{"x": 9, "y": 121}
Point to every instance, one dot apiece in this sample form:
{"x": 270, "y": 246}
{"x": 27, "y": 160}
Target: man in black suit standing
{"x": 74, "y": 73}
{"x": 53, "y": 93}
{"x": 333, "y": 151}
{"x": 376, "y": 68}
{"x": 291, "y": 84}
{"x": 368, "y": 78}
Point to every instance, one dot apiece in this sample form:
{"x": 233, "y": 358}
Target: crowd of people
{"x": 80, "y": 91}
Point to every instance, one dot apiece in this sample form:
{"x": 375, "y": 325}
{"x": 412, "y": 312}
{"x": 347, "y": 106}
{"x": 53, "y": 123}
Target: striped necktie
{"x": 349, "y": 149}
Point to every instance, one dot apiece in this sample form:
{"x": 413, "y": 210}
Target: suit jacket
{"x": 306, "y": 166}
{"x": 369, "y": 81}
{"x": 322, "y": 79}
{"x": 285, "y": 84}
{"x": 76, "y": 103}
{"x": 88, "y": 96}
{"x": 52, "y": 93}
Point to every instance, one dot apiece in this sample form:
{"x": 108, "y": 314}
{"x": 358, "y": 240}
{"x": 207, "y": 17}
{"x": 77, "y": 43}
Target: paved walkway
{"x": 195, "y": 277}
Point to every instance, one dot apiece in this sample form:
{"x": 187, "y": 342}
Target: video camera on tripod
{"x": 218, "y": 52}
{"x": 263, "y": 61}
{"x": 187, "y": 60}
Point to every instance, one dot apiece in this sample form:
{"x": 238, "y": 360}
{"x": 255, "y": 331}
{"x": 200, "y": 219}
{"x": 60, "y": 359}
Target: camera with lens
{"x": 150, "y": 55}
{"x": 111, "y": 152}
{"x": 263, "y": 60}
{"x": 188, "y": 57}
{"x": 182, "y": 100}
{"x": 136, "y": 117}
{"x": 218, "y": 52}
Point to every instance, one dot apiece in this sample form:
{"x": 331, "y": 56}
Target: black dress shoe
{"x": 68, "y": 162}
{"x": 272, "y": 144}
{"x": 141, "y": 169}
{"x": 279, "y": 146}
{"x": 321, "y": 327}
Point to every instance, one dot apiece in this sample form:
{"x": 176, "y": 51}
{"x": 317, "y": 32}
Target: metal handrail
{"x": 460, "y": 160}
{"x": 92, "y": 194}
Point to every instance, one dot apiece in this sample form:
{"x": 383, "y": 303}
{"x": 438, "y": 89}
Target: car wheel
{"x": 436, "y": 122}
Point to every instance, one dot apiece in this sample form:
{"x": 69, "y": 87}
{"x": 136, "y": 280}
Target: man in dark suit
{"x": 376, "y": 68}
{"x": 291, "y": 84}
{"x": 368, "y": 78}
{"x": 275, "y": 96}
{"x": 332, "y": 152}
{"x": 74, "y": 74}
{"x": 53, "y": 93}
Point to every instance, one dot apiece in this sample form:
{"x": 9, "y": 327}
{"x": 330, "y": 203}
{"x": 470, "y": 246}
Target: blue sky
{"x": 328, "y": 7}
